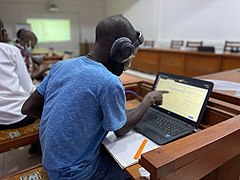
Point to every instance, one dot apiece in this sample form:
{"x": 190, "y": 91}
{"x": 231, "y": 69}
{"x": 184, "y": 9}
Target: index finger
{"x": 163, "y": 92}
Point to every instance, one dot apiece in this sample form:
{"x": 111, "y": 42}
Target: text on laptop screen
{"x": 182, "y": 99}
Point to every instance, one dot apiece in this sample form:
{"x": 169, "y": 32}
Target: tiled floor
{"x": 17, "y": 160}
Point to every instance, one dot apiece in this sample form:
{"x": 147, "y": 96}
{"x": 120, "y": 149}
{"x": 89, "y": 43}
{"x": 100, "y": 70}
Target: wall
{"x": 143, "y": 14}
{"x": 163, "y": 20}
{"x": 83, "y": 14}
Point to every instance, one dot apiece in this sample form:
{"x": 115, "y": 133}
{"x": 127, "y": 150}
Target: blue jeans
{"x": 108, "y": 169}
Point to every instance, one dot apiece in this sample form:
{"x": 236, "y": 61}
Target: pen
{"x": 140, "y": 149}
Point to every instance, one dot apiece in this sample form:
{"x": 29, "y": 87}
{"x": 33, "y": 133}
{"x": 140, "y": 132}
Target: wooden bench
{"x": 14, "y": 138}
{"x": 35, "y": 172}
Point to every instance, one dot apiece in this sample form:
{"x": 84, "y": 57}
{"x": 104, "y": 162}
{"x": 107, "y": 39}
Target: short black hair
{"x": 114, "y": 27}
{"x": 19, "y": 32}
{"x": 26, "y": 35}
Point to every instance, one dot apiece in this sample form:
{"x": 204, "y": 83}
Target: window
{"x": 51, "y": 30}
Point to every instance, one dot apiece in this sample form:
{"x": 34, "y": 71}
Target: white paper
{"x": 224, "y": 85}
{"x": 124, "y": 148}
{"x": 144, "y": 173}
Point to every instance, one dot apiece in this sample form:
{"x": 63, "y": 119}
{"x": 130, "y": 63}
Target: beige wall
{"x": 212, "y": 21}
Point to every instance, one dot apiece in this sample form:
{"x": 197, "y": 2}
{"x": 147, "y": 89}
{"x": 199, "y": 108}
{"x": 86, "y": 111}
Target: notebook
{"x": 181, "y": 111}
{"x": 123, "y": 149}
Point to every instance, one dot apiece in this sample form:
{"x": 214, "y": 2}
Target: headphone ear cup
{"x": 121, "y": 49}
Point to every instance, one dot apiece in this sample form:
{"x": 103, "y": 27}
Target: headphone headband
{"x": 139, "y": 40}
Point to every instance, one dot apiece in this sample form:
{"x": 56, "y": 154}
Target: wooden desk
{"x": 198, "y": 155}
{"x": 230, "y": 75}
{"x": 201, "y": 155}
{"x": 228, "y": 98}
{"x": 183, "y": 62}
{"x": 128, "y": 79}
{"x": 54, "y": 57}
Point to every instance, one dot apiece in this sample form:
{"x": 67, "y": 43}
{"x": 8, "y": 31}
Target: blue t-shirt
{"x": 82, "y": 102}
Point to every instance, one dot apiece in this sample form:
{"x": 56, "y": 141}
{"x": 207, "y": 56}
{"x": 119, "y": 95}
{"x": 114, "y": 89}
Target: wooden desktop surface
{"x": 129, "y": 79}
{"x": 229, "y": 98}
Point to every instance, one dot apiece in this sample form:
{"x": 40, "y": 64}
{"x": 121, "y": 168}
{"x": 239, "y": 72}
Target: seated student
{"x": 15, "y": 85}
{"x": 26, "y": 41}
{"x": 82, "y": 99}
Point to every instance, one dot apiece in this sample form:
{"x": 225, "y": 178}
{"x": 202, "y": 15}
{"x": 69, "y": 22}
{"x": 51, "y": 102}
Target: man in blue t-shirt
{"x": 82, "y": 99}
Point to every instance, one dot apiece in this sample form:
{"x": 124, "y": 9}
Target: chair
{"x": 177, "y": 44}
{"x": 194, "y": 44}
{"x": 148, "y": 43}
{"x": 232, "y": 47}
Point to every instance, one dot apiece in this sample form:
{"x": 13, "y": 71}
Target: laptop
{"x": 181, "y": 111}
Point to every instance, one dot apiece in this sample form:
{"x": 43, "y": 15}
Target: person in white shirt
{"x": 15, "y": 85}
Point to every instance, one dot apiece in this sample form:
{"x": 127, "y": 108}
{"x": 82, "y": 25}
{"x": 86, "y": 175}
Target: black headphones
{"x": 123, "y": 48}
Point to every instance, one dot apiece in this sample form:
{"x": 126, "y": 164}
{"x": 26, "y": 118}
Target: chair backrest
{"x": 148, "y": 43}
{"x": 194, "y": 44}
{"x": 177, "y": 44}
{"x": 232, "y": 46}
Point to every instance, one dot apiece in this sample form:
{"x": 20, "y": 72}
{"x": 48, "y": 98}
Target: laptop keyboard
{"x": 164, "y": 123}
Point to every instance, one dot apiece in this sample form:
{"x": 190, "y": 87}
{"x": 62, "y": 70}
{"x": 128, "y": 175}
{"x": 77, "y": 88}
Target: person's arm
{"x": 38, "y": 72}
{"x": 135, "y": 115}
{"x": 33, "y": 106}
{"x": 25, "y": 80}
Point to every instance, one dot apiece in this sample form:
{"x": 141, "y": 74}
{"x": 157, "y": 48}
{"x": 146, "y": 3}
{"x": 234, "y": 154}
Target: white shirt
{"x": 15, "y": 84}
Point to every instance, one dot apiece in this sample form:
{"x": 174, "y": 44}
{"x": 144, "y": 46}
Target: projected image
{"x": 51, "y": 30}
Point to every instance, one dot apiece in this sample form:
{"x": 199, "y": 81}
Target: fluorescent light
{"x": 53, "y": 8}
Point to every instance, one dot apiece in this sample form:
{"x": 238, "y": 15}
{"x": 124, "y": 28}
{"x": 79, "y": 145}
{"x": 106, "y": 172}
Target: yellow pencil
{"x": 140, "y": 149}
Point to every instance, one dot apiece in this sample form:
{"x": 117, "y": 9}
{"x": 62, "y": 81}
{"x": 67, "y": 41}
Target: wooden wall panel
{"x": 146, "y": 61}
{"x": 200, "y": 65}
{"x": 182, "y": 62}
{"x": 230, "y": 62}
{"x": 172, "y": 63}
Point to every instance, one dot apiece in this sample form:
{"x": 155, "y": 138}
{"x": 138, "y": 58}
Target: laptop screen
{"x": 186, "y": 97}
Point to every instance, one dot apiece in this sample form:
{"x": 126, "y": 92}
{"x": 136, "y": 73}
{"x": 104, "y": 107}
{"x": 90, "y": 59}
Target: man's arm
{"x": 134, "y": 116}
{"x": 33, "y": 106}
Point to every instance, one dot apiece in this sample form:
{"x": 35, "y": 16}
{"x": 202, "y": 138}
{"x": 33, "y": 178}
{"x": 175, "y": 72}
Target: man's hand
{"x": 134, "y": 116}
{"x": 154, "y": 97}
